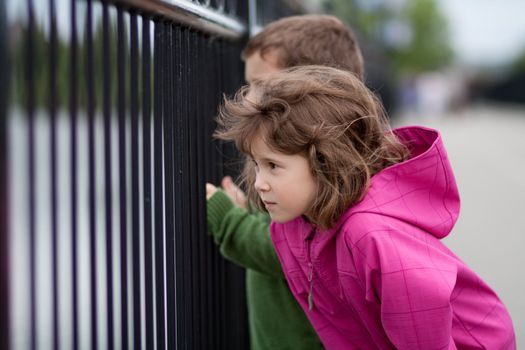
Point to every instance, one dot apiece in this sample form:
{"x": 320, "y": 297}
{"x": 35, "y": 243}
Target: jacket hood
{"x": 421, "y": 191}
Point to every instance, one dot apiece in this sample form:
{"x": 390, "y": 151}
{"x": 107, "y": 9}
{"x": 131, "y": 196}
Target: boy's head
{"x": 302, "y": 40}
{"x": 325, "y": 115}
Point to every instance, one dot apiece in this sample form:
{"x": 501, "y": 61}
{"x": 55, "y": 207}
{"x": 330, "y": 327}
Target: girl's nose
{"x": 261, "y": 185}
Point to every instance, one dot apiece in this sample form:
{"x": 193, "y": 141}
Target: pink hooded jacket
{"x": 381, "y": 278}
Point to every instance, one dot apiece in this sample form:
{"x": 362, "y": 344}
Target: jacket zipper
{"x": 310, "y": 274}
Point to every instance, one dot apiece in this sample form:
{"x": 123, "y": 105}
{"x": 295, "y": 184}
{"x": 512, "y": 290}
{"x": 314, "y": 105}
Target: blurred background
{"x": 433, "y": 56}
{"x": 459, "y": 66}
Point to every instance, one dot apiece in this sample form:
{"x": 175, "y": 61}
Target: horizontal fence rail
{"x": 213, "y": 18}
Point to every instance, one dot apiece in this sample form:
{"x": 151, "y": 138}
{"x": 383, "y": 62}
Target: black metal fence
{"x": 106, "y": 115}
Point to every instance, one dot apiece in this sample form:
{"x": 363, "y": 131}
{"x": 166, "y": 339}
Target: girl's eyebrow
{"x": 261, "y": 158}
{"x": 270, "y": 160}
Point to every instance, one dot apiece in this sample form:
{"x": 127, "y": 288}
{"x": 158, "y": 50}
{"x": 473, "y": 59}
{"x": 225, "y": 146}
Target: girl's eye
{"x": 272, "y": 165}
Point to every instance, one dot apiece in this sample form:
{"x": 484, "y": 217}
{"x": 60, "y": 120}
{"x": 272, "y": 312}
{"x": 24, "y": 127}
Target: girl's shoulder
{"x": 364, "y": 224}
{"x": 374, "y": 228}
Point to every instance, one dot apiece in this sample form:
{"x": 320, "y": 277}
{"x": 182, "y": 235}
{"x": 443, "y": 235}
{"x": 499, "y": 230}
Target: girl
{"x": 358, "y": 212}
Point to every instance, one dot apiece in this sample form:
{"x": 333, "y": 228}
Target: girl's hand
{"x": 210, "y": 190}
{"x": 234, "y": 192}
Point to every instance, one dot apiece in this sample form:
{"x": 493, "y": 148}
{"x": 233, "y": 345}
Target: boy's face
{"x": 284, "y": 182}
{"x": 258, "y": 68}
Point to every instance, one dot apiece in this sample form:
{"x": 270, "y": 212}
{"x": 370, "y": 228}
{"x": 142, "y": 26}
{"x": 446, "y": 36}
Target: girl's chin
{"x": 282, "y": 220}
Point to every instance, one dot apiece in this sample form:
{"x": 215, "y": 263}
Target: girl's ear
{"x": 315, "y": 155}
{"x": 321, "y": 159}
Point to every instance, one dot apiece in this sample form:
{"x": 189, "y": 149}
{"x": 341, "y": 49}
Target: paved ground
{"x": 486, "y": 145}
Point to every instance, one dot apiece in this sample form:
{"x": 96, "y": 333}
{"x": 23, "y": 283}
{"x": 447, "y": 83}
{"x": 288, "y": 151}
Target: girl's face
{"x": 284, "y": 182}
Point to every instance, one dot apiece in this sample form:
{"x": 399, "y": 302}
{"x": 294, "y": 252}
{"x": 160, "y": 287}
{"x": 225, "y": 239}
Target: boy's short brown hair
{"x": 309, "y": 40}
{"x": 325, "y": 114}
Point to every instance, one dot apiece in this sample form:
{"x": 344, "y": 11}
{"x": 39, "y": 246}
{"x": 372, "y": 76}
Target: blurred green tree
{"x": 413, "y": 34}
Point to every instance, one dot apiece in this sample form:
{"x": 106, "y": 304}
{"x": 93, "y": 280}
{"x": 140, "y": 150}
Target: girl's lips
{"x": 269, "y": 205}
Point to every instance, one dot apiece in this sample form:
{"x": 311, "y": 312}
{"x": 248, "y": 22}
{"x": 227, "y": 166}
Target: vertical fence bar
{"x": 121, "y": 106}
{"x": 186, "y": 243}
{"x": 200, "y": 195}
{"x": 216, "y": 259}
{"x": 209, "y": 159}
{"x": 192, "y": 155}
{"x": 169, "y": 161}
{"x": 52, "y": 100}
{"x": 91, "y": 172}
{"x": 221, "y": 263}
{"x": 108, "y": 197}
{"x": 135, "y": 190}
{"x": 179, "y": 200}
{"x": 30, "y": 112}
{"x": 159, "y": 54}
{"x": 4, "y": 185}
{"x": 146, "y": 137}
{"x": 73, "y": 108}
{"x": 182, "y": 264}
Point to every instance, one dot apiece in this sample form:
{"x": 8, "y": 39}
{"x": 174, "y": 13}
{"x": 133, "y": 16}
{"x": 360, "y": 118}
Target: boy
{"x": 276, "y": 320}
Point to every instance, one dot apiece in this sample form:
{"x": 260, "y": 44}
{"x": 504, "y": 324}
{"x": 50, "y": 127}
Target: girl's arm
{"x": 411, "y": 282}
{"x": 242, "y": 237}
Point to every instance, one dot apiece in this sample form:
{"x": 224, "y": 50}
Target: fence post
{"x": 4, "y": 200}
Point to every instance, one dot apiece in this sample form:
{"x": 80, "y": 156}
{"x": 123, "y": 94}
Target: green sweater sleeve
{"x": 242, "y": 237}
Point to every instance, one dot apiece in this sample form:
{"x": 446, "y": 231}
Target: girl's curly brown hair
{"x": 325, "y": 114}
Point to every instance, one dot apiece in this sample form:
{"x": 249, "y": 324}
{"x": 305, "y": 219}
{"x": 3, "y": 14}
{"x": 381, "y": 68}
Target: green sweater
{"x": 276, "y": 319}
